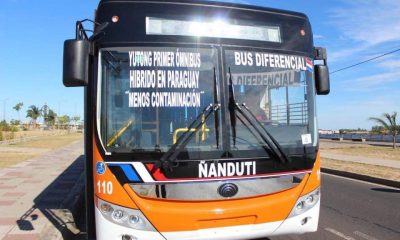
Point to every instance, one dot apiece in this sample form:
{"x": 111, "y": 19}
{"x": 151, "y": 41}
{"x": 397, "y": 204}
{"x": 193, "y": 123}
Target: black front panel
{"x": 131, "y": 25}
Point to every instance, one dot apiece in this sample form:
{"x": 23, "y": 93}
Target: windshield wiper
{"x": 253, "y": 121}
{"x": 169, "y": 157}
{"x": 232, "y": 106}
{"x": 216, "y": 103}
{"x": 265, "y": 135}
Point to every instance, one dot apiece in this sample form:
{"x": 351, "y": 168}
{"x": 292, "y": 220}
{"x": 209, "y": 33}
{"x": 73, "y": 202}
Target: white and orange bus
{"x": 200, "y": 120}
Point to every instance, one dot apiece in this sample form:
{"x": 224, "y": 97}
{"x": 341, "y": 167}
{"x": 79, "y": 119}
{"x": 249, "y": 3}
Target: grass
{"x": 362, "y": 150}
{"x": 50, "y": 142}
{"x": 19, "y": 152}
{"x": 36, "y": 132}
{"x": 12, "y": 158}
{"x": 360, "y": 168}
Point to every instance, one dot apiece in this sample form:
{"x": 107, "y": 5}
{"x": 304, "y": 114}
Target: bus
{"x": 200, "y": 120}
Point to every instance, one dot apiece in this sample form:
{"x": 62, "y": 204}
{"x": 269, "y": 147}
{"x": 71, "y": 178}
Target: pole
{"x": 4, "y": 109}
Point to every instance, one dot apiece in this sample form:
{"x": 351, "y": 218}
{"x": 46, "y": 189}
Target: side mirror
{"x": 76, "y": 63}
{"x": 322, "y": 79}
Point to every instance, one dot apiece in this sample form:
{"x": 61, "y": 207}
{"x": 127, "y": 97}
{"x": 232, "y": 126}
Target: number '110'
{"x": 105, "y": 187}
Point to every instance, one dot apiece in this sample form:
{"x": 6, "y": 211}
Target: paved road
{"x": 354, "y": 210}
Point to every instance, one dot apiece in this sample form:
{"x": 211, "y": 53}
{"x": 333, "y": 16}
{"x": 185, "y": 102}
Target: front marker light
{"x": 106, "y": 208}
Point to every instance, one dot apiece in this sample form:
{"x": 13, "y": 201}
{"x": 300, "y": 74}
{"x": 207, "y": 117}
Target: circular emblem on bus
{"x": 100, "y": 168}
{"x": 228, "y": 190}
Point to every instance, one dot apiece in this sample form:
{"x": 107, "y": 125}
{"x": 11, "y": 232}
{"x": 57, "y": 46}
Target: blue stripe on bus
{"x": 130, "y": 173}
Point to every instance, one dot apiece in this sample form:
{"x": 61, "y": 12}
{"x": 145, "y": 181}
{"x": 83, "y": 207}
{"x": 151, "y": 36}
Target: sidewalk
{"x": 349, "y": 143}
{"x": 360, "y": 159}
{"x": 38, "y": 196}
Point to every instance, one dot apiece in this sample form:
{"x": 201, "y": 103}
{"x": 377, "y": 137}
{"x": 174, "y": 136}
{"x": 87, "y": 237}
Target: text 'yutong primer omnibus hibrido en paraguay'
{"x": 200, "y": 120}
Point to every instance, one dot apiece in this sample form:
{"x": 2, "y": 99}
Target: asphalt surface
{"x": 355, "y": 210}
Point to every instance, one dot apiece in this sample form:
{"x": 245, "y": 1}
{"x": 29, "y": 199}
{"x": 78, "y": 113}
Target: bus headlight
{"x": 310, "y": 200}
{"x": 118, "y": 215}
{"x": 131, "y": 218}
{"x": 305, "y": 203}
{"x": 137, "y": 222}
{"x": 300, "y": 206}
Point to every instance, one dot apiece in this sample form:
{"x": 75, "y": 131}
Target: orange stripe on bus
{"x": 102, "y": 182}
{"x": 314, "y": 180}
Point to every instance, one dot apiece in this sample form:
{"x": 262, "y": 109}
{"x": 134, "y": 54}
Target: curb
{"x": 67, "y": 213}
{"x": 386, "y": 182}
{"x": 76, "y": 199}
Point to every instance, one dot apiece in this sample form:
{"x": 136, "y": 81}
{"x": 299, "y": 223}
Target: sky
{"x": 32, "y": 35}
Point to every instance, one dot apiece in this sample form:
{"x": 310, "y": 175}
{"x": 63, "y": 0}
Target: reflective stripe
{"x": 130, "y": 173}
{"x": 144, "y": 174}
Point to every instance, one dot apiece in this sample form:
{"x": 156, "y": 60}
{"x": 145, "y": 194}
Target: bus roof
{"x": 216, "y": 4}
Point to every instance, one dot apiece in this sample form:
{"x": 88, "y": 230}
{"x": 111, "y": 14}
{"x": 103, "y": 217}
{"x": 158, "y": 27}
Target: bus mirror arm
{"x": 97, "y": 32}
{"x": 321, "y": 72}
{"x": 320, "y": 54}
{"x": 77, "y": 53}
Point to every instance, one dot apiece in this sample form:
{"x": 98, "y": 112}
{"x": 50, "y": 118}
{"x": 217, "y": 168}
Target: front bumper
{"x": 295, "y": 225}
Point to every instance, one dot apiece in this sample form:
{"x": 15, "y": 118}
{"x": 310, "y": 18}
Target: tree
{"x": 33, "y": 113}
{"x": 15, "y": 122}
{"x": 4, "y": 126}
{"x": 18, "y": 107}
{"x": 51, "y": 117}
{"x": 388, "y": 122}
{"x": 75, "y": 119}
{"x": 377, "y": 130}
{"x": 64, "y": 120}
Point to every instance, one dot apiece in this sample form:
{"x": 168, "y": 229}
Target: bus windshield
{"x": 149, "y": 97}
{"x": 278, "y": 90}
